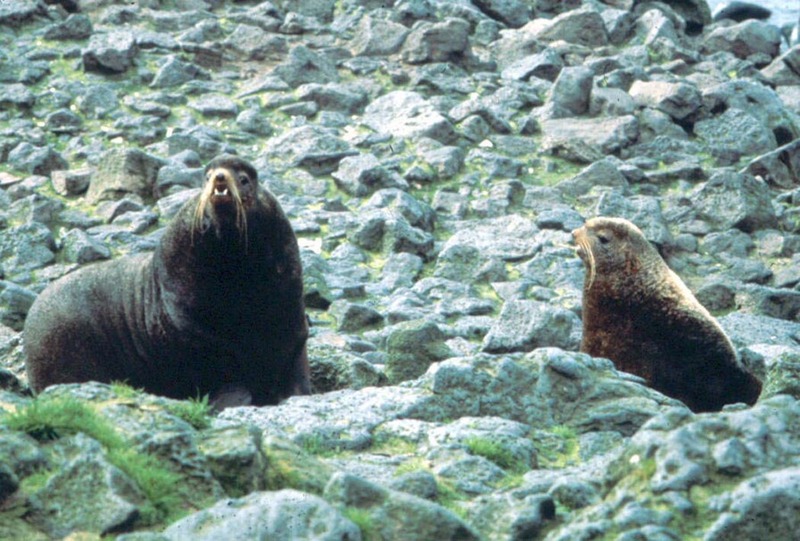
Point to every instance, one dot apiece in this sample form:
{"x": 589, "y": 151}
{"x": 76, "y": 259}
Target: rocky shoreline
{"x": 433, "y": 157}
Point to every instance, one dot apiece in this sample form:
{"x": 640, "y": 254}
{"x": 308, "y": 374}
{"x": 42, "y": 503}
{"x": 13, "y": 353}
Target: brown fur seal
{"x": 638, "y": 313}
{"x": 217, "y": 309}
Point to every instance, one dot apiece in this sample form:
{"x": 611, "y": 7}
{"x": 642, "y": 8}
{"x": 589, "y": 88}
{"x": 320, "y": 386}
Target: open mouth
{"x": 221, "y": 194}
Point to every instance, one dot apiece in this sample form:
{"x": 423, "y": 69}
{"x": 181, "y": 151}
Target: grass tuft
{"x": 491, "y": 450}
{"x": 51, "y": 418}
{"x": 195, "y": 411}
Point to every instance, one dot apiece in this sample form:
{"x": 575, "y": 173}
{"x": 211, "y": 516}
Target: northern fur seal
{"x": 639, "y": 313}
{"x": 217, "y": 309}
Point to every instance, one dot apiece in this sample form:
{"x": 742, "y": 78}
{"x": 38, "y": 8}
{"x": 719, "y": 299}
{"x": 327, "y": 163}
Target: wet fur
{"x": 639, "y": 313}
{"x": 217, "y": 309}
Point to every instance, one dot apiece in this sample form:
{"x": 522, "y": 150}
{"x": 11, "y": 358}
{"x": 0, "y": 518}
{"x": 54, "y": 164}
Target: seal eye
{"x": 244, "y": 180}
{"x": 603, "y": 238}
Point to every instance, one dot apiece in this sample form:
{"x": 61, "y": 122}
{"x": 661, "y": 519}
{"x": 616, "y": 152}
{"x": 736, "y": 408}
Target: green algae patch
{"x": 48, "y": 419}
{"x": 289, "y": 466}
{"x": 557, "y": 447}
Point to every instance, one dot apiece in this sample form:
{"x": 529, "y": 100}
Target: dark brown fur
{"x": 217, "y": 309}
{"x": 638, "y": 313}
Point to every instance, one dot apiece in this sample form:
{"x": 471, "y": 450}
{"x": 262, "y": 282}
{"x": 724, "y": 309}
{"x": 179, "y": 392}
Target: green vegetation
{"x": 195, "y": 411}
{"x": 558, "y": 447}
{"x": 363, "y": 519}
{"x": 51, "y": 418}
{"x": 412, "y": 465}
{"x": 393, "y": 446}
{"x": 123, "y": 390}
{"x": 451, "y": 497}
{"x": 316, "y": 445}
{"x": 491, "y": 450}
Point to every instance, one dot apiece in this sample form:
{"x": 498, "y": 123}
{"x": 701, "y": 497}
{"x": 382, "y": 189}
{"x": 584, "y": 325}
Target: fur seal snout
{"x": 217, "y": 309}
{"x": 639, "y": 313}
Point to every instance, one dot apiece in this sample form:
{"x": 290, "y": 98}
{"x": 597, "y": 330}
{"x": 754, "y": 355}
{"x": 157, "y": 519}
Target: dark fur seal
{"x": 217, "y": 309}
{"x": 639, "y": 313}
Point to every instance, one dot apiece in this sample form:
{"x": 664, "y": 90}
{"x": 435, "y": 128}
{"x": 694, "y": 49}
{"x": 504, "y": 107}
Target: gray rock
{"x": 396, "y": 515}
{"x": 603, "y": 172}
{"x": 436, "y": 42}
{"x": 544, "y": 65}
{"x": 389, "y": 232}
{"x": 14, "y": 12}
{"x": 71, "y": 182}
{"x": 122, "y": 171}
{"x": 111, "y": 52}
{"x": 88, "y": 493}
{"x": 783, "y": 376}
{"x": 37, "y": 160}
{"x": 417, "y": 213}
{"x": 345, "y": 98}
{"x": 176, "y": 72}
{"x": 354, "y": 317}
{"x": 306, "y": 66}
{"x": 17, "y": 95}
{"x": 175, "y": 176}
{"x": 768, "y": 301}
{"x": 611, "y": 102}
{"x": 97, "y": 101}
{"x": 507, "y": 238}
{"x": 15, "y": 301}
{"x": 737, "y": 200}
{"x": 363, "y": 174}
{"x": 749, "y": 329}
{"x": 779, "y": 168}
{"x": 571, "y": 91}
{"x": 75, "y": 26}
{"x": 757, "y": 100}
{"x": 248, "y": 42}
{"x": 333, "y": 369}
{"x": 582, "y": 26}
{"x": 762, "y": 506}
{"x": 321, "y": 9}
{"x": 254, "y": 121}
{"x": 644, "y": 211}
{"x": 527, "y": 325}
{"x": 600, "y": 135}
{"x": 311, "y": 147}
{"x": 21, "y": 453}
{"x": 377, "y": 37}
{"x": 412, "y": 347}
{"x": 679, "y": 100}
{"x": 63, "y": 121}
{"x": 215, "y": 105}
{"x": 235, "y": 459}
{"x": 745, "y": 39}
{"x": 407, "y": 115}
{"x": 735, "y": 132}
{"x": 285, "y": 514}
{"x": 81, "y": 248}
{"x": 27, "y": 247}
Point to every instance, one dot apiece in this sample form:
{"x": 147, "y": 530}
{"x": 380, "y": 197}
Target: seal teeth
{"x": 217, "y": 191}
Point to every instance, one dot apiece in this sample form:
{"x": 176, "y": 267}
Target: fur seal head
{"x": 639, "y": 313}
{"x": 230, "y": 192}
{"x": 614, "y": 249}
